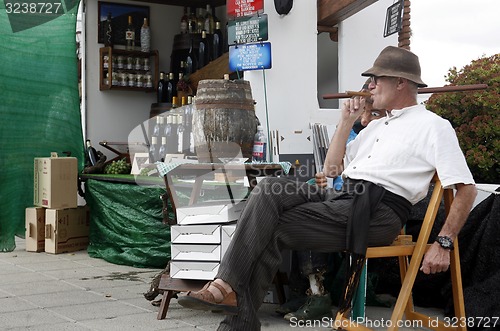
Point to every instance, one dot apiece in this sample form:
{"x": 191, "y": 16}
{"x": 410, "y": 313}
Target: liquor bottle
{"x": 209, "y": 24}
{"x": 153, "y": 150}
{"x": 170, "y": 87}
{"x": 200, "y": 20}
{"x": 182, "y": 67}
{"x": 184, "y": 21}
{"x": 130, "y": 35}
{"x": 217, "y": 42}
{"x": 161, "y": 95}
{"x": 145, "y": 36}
{"x": 108, "y": 32}
{"x": 191, "y": 60}
{"x": 203, "y": 51}
{"x": 92, "y": 157}
{"x": 158, "y": 128}
{"x": 180, "y": 133}
{"x": 192, "y": 22}
{"x": 259, "y": 146}
{"x": 168, "y": 126}
{"x": 162, "y": 151}
{"x": 189, "y": 124}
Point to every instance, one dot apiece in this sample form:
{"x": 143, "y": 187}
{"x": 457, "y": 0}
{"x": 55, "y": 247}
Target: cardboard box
{"x": 227, "y": 233}
{"x": 55, "y": 182}
{"x": 193, "y": 270}
{"x": 195, "y": 234}
{"x": 210, "y": 213}
{"x": 66, "y": 230}
{"x": 188, "y": 252}
{"x": 35, "y": 229}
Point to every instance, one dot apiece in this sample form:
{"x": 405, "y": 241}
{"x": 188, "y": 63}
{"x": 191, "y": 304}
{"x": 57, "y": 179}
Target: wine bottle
{"x": 217, "y": 42}
{"x": 170, "y": 87}
{"x": 192, "y": 20}
{"x": 91, "y": 153}
{"x": 200, "y": 20}
{"x": 130, "y": 35}
{"x": 108, "y": 32}
{"x": 191, "y": 60}
{"x": 203, "y": 51}
{"x": 145, "y": 37}
{"x": 153, "y": 150}
{"x": 184, "y": 21}
{"x": 161, "y": 95}
{"x": 162, "y": 151}
{"x": 209, "y": 24}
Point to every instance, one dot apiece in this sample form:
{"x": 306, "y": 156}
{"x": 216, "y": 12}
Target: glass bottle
{"x": 108, "y": 32}
{"x": 191, "y": 60}
{"x": 200, "y": 20}
{"x": 145, "y": 37}
{"x": 217, "y": 42}
{"x": 157, "y": 129}
{"x": 192, "y": 20}
{"x": 259, "y": 146}
{"x": 130, "y": 35}
{"x": 170, "y": 87}
{"x": 209, "y": 24}
{"x": 153, "y": 150}
{"x": 162, "y": 151}
{"x": 161, "y": 94}
{"x": 92, "y": 157}
{"x": 203, "y": 51}
{"x": 184, "y": 21}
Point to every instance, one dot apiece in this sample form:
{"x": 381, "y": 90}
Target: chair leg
{"x": 359, "y": 302}
{"x": 456, "y": 283}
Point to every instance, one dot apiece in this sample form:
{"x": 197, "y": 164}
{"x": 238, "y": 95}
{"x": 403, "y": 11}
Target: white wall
{"x": 292, "y": 89}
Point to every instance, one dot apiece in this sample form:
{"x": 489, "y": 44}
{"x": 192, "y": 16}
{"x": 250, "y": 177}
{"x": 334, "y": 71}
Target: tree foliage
{"x": 475, "y": 115}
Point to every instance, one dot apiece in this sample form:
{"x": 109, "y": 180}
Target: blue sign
{"x": 250, "y": 57}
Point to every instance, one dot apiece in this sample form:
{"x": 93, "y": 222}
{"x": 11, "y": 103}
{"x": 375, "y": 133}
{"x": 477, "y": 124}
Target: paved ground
{"x": 72, "y": 291}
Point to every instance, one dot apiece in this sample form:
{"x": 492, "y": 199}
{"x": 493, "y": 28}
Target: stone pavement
{"x": 72, "y": 291}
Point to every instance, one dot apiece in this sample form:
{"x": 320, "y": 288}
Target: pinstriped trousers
{"x": 285, "y": 214}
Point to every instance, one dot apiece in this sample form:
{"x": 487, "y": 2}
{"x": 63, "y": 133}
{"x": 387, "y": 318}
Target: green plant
{"x": 475, "y": 115}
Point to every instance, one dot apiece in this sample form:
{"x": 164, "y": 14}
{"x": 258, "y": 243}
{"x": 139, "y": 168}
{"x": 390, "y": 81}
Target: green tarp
{"x": 39, "y": 104}
{"x": 126, "y": 225}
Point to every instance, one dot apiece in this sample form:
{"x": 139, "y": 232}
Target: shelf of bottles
{"x": 200, "y": 41}
{"x": 172, "y": 131}
{"x": 131, "y": 70}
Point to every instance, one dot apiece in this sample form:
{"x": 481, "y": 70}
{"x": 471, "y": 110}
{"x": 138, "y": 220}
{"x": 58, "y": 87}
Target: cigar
{"x": 347, "y": 94}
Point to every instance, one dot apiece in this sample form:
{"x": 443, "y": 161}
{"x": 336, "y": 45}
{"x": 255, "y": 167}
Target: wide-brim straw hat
{"x": 396, "y": 62}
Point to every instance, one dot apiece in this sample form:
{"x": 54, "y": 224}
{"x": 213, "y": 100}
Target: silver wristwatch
{"x": 445, "y": 242}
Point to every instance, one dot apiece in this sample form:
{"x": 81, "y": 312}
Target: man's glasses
{"x": 374, "y": 79}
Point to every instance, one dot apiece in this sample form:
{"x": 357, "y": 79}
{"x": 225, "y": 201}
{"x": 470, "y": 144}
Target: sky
{"x": 452, "y": 33}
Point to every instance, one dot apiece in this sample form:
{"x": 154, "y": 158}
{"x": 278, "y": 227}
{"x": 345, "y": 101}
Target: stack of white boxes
{"x": 201, "y": 238}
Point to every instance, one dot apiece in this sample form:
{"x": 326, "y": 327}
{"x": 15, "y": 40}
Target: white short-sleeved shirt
{"x": 402, "y": 151}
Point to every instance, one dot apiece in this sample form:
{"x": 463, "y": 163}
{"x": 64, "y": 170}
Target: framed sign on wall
{"x": 119, "y": 20}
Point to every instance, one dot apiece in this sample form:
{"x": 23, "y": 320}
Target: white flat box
{"x": 210, "y": 213}
{"x": 195, "y": 234}
{"x": 35, "y": 229}
{"x": 227, "y": 233}
{"x": 188, "y": 252}
{"x": 194, "y": 270}
{"x": 55, "y": 182}
{"x": 66, "y": 230}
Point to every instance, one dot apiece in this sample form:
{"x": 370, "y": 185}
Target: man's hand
{"x": 352, "y": 109}
{"x": 437, "y": 259}
{"x": 320, "y": 179}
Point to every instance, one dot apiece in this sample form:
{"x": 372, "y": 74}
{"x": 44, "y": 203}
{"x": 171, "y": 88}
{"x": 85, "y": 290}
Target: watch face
{"x": 445, "y": 242}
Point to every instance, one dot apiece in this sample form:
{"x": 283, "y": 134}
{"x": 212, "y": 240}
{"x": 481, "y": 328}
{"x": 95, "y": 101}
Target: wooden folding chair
{"x": 403, "y": 248}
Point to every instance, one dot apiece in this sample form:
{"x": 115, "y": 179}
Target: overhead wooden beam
{"x": 332, "y": 12}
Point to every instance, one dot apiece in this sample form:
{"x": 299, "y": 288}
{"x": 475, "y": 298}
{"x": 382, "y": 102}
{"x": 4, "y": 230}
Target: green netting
{"x": 126, "y": 224}
{"x": 39, "y": 106}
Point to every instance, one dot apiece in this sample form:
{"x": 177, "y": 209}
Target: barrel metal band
{"x": 225, "y": 105}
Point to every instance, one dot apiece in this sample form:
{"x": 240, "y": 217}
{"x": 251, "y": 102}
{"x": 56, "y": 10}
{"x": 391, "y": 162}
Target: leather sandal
{"x": 204, "y": 300}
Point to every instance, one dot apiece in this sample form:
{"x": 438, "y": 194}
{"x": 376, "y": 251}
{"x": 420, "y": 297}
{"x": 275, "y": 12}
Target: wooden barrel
{"x": 224, "y": 121}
